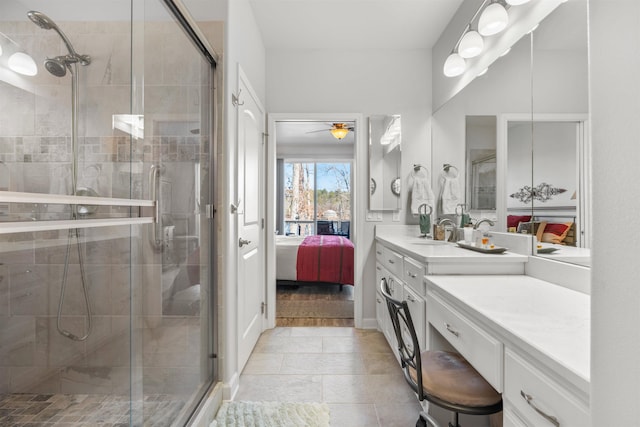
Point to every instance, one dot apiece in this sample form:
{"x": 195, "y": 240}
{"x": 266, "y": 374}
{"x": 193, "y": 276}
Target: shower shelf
{"x": 29, "y": 226}
{"x": 62, "y": 199}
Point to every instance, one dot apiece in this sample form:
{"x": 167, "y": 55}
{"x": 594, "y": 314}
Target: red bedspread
{"x": 325, "y": 258}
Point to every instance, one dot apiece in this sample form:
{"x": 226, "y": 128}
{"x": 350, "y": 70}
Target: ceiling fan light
{"x": 471, "y": 45}
{"x": 493, "y": 20}
{"x": 454, "y": 65}
{"x": 22, "y": 63}
{"x": 339, "y": 132}
{"x": 517, "y": 2}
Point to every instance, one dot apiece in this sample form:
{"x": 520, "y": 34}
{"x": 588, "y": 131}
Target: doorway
{"x": 306, "y": 139}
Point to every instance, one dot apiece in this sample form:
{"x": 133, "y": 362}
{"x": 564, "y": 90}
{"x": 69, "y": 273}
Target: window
{"x": 317, "y": 198}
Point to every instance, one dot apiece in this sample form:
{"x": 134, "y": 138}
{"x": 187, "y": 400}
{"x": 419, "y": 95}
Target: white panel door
{"x": 251, "y": 277}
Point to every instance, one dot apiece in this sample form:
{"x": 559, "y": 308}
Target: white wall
{"x": 244, "y": 47}
{"x": 372, "y": 81}
{"x": 615, "y": 302}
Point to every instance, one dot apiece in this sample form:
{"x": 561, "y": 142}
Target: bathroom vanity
{"x": 529, "y": 338}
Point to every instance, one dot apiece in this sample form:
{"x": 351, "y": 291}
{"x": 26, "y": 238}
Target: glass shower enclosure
{"x": 107, "y": 146}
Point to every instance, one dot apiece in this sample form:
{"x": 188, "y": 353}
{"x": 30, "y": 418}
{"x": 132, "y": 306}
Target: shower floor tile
{"x": 80, "y": 410}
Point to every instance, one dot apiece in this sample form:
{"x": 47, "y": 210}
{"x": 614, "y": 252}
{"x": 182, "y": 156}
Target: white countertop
{"x": 549, "y": 322}
{"x": 407, "y": 239}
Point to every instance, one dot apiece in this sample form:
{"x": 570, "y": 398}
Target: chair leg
{"x": 426, "y": 420}
{"x": 455, "y": 420}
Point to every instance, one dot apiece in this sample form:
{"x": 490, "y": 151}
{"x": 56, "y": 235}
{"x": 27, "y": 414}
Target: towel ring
{"x": 418, "y": 166}
{"x": 425, "y": 206}
{"x": 447, "y": 166}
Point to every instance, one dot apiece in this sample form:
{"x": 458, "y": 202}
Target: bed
{"x": 321, "y": 258}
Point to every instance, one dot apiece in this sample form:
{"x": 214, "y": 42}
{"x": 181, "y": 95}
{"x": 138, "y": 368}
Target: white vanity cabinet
{"x": 528, "y": 338}
{"x": 405, "y": 278}
{"x": 536, "y": 399}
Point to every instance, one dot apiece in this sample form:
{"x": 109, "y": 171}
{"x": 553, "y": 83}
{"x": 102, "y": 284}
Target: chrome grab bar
{"x": 154, "y": 174}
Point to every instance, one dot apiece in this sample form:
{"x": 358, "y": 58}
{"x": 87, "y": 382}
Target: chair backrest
{"x": 344, "y": 228}
{"x": 325, "y": 227}
{"x": 408, "y": 347}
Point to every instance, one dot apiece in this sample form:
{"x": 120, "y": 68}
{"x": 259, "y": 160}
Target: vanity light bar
{"x": 493, "y": 19}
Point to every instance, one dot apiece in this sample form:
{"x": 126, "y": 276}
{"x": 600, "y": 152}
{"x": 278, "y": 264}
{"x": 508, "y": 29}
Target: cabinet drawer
{"x": 510, "y": 419}
{"x": 379, "y": 252}
{"x": 543, "y": 398}
{"x": 413, "y": 275}
{"x": 482, "y": 350}
{"x": 392, "y": 261}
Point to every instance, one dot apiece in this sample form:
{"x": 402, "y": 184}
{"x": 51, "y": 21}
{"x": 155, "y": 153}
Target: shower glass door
{"x": 105, "y": 176}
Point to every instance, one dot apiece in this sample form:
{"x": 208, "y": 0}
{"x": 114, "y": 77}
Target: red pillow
{"x": 555, "y": 232}
{"x": 514, "y": 220}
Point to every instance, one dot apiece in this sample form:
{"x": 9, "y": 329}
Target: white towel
{"x": 450, "y": 192}
{"x": 421, "y": 192}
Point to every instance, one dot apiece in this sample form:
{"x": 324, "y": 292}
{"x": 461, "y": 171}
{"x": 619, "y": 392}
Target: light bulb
{"x": 471, "y": 45}
{"x": 22, "y": 63}
{"x": 493, "y": 20}
{"x": 517, "y": 2}
{"x": 454, "y": 65}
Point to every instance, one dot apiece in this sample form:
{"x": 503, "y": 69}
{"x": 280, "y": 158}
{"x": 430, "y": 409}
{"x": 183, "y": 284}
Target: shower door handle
{"x": 154, "y": 173}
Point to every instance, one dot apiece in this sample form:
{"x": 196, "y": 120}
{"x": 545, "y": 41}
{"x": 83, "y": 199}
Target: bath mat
{"x": 323, "y": 309}
{"x": 272, "y": 414}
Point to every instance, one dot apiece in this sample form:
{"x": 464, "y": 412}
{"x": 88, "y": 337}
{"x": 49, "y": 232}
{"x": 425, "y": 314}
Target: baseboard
{"x": 369, "y": 323}
{"x": 231, "y": 388}
{"x": 207, "y": 412}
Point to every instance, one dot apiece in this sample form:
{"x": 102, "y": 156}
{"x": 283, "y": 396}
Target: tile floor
{"x": 81, "y": 410}
{"x": 352, "y": 370}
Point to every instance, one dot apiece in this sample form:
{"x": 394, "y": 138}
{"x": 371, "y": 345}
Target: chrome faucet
{"x": 487, "y": 220}
{"x": 453, "y": 236}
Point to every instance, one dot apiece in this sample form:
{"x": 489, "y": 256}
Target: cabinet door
{"x": 396, "y": 287}
{"x": 382, "y": 312}
{"x": 417, "y": 308}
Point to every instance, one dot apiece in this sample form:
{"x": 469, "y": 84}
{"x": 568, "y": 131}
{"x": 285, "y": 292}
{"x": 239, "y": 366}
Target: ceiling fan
{"x": 338, "y": 130}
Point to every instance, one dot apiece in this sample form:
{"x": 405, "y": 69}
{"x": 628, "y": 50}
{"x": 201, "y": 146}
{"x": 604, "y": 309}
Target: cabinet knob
{"x": 529, "y": 399}
{"x": 391, "y": 261}
{"x": 412, "y": 275}
{"x": 410, "y": 298}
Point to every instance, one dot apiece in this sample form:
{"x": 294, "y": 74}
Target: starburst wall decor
{"x": 542, "y": 193}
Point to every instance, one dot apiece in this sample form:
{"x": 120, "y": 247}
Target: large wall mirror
{"x": 385, "y": 138}
{"x": 521, "y": 133}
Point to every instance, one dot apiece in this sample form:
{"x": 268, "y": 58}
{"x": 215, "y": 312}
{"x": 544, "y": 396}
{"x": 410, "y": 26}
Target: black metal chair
{"x": 443, "y": 378}
{"x": 345, "y": 229}
{"x": 325, "y": 227}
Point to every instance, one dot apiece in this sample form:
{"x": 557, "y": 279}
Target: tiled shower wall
{"x": 35, "y": 151}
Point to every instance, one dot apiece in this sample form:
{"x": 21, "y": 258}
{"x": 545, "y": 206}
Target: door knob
{"x": 242, "y": 242}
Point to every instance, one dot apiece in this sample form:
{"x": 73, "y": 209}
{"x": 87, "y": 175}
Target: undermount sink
{"x": 428, "y": 242}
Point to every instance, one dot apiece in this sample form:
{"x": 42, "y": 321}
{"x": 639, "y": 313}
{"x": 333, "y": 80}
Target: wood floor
{"x": 314, "y": 291}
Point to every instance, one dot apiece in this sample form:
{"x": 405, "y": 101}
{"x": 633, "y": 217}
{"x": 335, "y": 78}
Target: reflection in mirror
{"x": 480, "y": 138}
{"x": 384, "y": 162}
{"x": 560, "y": 175}
{"x": 543, "y": 76}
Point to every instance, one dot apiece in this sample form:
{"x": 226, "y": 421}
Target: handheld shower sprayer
{"x": 58, "y": 65}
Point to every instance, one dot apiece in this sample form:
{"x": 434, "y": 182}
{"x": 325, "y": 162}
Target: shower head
{"x": 56, "y": 66}
{"x": 41, "y": 20}
{"x": 46, "y": 23}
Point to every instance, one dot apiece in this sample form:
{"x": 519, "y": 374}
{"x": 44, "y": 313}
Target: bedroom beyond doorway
{"x": 314, "y": 304}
